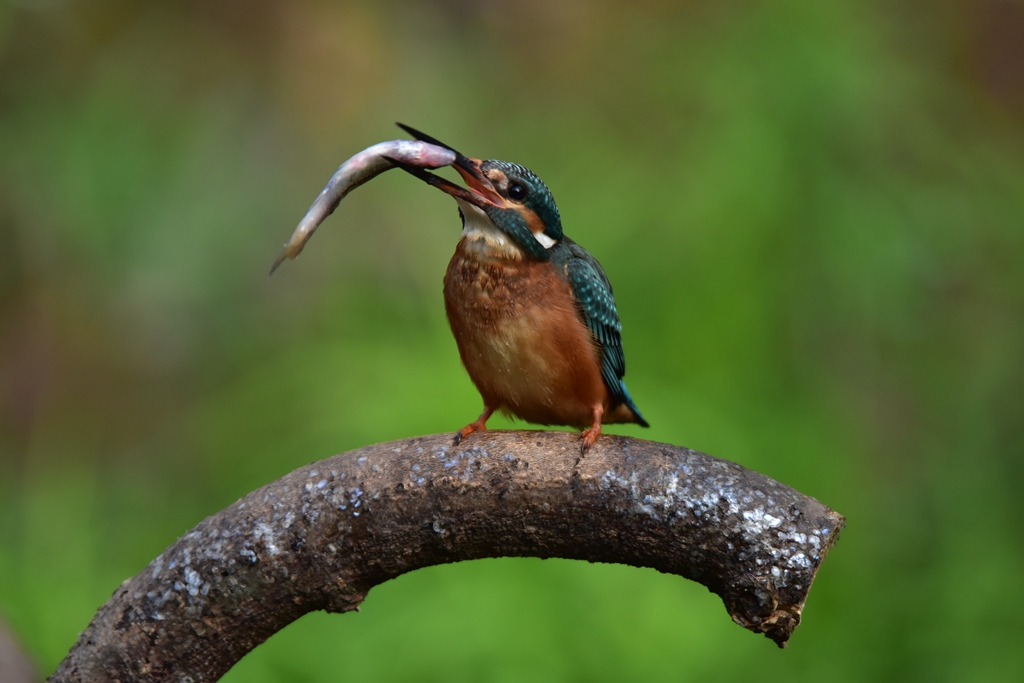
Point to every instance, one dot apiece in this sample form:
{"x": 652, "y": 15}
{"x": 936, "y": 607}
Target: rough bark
{"x": 322, "y": 536}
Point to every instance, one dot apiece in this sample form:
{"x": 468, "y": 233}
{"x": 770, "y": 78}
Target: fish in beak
{"x": 480, "y": 191}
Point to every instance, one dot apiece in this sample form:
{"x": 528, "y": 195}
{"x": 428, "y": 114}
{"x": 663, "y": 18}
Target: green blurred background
{"x": 812, "y": 212}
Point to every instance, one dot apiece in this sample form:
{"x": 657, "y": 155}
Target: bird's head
{"x": 509, "y": 197}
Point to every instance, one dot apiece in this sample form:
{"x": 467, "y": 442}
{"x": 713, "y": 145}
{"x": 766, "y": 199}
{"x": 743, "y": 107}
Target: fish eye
{"x": 516, "y": 192}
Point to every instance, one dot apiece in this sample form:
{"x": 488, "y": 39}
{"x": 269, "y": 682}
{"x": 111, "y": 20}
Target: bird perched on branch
{"x": 532, "y": 311}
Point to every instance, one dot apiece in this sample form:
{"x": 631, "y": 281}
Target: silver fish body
{"x": 362, "y": 167}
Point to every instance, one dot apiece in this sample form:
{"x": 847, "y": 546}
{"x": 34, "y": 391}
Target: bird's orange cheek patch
{"x": 536, "y": 226}
{"x": 533, "y": 220}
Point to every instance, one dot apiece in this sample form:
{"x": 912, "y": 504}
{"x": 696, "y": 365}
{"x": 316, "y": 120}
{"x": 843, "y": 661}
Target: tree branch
{"x": 322, "y": 536}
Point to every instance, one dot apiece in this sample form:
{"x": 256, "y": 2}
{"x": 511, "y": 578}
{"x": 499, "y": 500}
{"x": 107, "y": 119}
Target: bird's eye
{"x": 517, "y": 192}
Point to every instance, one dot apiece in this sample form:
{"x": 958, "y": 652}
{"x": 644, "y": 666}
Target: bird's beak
{"x": 480, "y": 187}
{"x": 480, "y": 193}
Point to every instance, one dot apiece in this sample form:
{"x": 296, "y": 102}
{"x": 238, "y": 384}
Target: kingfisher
{"x": 532, "y": 312}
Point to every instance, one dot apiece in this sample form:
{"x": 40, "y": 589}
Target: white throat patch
{"x": 483, "y": 236}
{"x": 544, "y": 240}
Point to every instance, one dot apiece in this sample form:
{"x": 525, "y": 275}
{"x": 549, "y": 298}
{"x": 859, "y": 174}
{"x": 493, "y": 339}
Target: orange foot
{"x": 589, "y": 436}
{"x": 478, "y": 426}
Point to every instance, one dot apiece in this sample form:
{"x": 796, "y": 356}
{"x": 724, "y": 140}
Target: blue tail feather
{"x": 628, "y": 400}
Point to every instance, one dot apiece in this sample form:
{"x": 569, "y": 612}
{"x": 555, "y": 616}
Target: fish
{"x": 360, "y": 168}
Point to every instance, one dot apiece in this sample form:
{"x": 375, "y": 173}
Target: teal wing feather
{"x": 596, "y": 306}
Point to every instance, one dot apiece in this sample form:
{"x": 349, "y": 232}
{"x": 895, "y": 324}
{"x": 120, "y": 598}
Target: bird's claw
{"x": 479, "y": 425}
{"x": 588, "y": 437}
{"x": 466, "y": 431}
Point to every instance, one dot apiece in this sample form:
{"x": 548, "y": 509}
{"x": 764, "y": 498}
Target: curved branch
{"x": 322, "y": 536}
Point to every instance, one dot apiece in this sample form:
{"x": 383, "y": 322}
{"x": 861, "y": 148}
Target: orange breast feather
{"x": 521, "y": 339}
